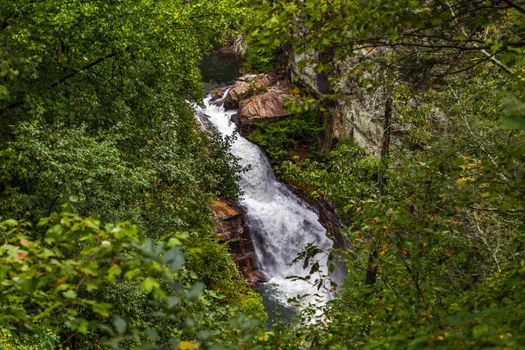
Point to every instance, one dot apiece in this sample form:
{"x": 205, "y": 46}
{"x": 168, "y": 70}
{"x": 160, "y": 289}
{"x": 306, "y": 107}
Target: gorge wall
{"x": 358, "y": 114}
{"x": 231, "y": 229}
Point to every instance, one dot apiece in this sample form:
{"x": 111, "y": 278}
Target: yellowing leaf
{"x": 463, "y": 180}
{"x": 188, "y": 345}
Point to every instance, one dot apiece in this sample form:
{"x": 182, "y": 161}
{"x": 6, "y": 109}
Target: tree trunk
{"x": 371, "y": 270}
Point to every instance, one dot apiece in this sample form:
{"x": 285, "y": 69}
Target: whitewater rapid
{"x": 281, "y": 224}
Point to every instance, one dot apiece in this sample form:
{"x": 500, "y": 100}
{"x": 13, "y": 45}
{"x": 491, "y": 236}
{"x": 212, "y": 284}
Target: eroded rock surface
{"x": 268, "y": 105}
{"x": 258, "y": 97}
{"x": 217, "y": 94}
{"x": 358, "y": 114}
{"x": 232, "y": 230}
{"x": 245, "y": 87}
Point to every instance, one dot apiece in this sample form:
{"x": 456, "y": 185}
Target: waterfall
{"x": 281, "y": 224}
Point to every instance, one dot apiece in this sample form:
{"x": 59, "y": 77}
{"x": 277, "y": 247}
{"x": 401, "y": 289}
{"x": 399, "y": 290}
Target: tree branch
{"x": 5, "y": 22}
{"x": 86, "y": 67}
{"x": 483, "y": 50}
{"x": 515, "y": 6}
{"x": 64, "y": 79}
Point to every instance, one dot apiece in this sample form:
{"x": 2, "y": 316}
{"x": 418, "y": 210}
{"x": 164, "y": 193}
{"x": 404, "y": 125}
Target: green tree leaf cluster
{"x": 438, "y": 218}
{"x": 97, "y": 109}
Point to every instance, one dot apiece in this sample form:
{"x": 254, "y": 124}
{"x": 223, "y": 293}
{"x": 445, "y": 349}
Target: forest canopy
{"x": 98, "y": 130}
{"x": 106, "y": 179}
{"x": 433, "y": 217}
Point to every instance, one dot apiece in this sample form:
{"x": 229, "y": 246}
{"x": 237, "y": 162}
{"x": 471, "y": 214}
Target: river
{"x": 281, "y": 224}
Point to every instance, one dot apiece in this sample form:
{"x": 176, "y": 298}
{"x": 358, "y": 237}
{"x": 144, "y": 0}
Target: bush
{"x": 278, "y": 138}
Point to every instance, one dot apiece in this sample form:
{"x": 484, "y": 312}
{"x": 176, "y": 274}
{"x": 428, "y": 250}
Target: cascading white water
{"x": 281, "y": 224}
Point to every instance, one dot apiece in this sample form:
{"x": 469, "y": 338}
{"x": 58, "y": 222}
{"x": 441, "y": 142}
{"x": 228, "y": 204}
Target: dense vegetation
{"x": 106, "y": 179}
{"x": 95, "y": 111}
{"x": 435, "y": 220}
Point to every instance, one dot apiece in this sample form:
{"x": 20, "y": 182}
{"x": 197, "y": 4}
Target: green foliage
{"x": 262, "y": 59}
{"x": 515, "y": 114}
{"x": 347, "y": 175}
{"x": 97, "y": 108}
{"x": 440, "y": 219}
{"x": 46, "y": 165}
{"x": 73, "y": 282}
{"x": 447, "y": 230}
{"x": 266, "y": 37}
{"x": 299, "y": 133}
{"x": 419, "y": 43}
{"x": 52, "y": 274}
{"x": 344, "y": 27}
{"x": 212, "y": 264}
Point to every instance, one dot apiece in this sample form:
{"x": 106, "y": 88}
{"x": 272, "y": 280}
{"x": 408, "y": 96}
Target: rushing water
{"x": 281, "y": 224}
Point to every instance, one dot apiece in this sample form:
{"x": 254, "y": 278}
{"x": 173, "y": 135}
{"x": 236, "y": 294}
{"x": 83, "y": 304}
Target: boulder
{"x": 268, "y": 105}
{"x": 236, "y": 93}
{"x": 254, "y": 277}
{"x": 217, "y": 94}
{"x": 257, "y": 97}
{"x": 223, "y": 211}
{"x": 245, "y": 87}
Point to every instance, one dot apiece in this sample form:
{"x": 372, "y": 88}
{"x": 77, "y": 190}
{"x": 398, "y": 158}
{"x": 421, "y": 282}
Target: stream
{"x": 281, "y": 224}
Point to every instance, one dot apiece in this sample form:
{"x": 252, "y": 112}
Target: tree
{"x": 96, "y": 109}
{"x": 436, "y": 230}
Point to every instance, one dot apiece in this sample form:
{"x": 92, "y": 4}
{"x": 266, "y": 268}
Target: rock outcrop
{"x": 359, "y": 113}
{"x": 268, "y": 105}
{"x": 257, "y": 97}
{"x": 232, "y": 230}
{"x": 245, "y": 87}
{"x": 217, "y": 94}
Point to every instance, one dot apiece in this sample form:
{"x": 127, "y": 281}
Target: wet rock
{"x": 254, "y": 277}
{"x": 258, "y": 97}
{"x": 236, "y": 119}
{"x": 204, "y": 121}
{"x": 235, "y": 95}
{"x": 217, "y": 94}
{"x": 232, "y": 230}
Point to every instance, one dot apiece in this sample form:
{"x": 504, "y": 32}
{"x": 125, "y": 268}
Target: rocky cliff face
{"x": 232, "y": 230}
{"x": 359, "y": 113}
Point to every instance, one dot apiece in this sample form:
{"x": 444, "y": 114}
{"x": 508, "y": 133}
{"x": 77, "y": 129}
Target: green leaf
{"x": 70, "y": 294}
{"x": 102, "y": 309}
{"x": 149, "y": 283}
